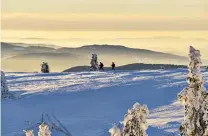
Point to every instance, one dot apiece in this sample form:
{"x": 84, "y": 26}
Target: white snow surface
{"x": 89, "y": 103}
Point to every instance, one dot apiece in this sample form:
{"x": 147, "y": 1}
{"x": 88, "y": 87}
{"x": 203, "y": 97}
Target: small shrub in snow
{"x": 135, "y": 122}
{"x": 115, "y": 131}
{"x": 28, "y": 132}
{"x": 94, "y": 62}
{"x": 44, "y": 130}
{"x": 194, "y": 99}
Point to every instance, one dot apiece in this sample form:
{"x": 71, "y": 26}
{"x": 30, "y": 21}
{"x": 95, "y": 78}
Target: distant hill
{"x": 61, "y": 58}
{"x": 37, "y": 44}
{"x": 119, "y": 50}
{"x": 136, "y": 66}
{"x": 15, "y": 50}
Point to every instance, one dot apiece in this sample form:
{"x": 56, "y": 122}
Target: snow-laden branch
{"x": 47, "y": 125}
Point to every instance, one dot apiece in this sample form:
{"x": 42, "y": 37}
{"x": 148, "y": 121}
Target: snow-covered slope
{"x": 88, "y": 103}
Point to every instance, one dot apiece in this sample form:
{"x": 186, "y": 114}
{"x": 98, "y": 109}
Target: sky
{"x": 105, "y": 14}
{"x": 164, "y": 25}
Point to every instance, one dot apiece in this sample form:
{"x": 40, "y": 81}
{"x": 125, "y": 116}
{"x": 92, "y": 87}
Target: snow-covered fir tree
{"x": 4, "y": 86}
{"x": 135, "y": 122}
{"x": 94, "y": 62}
{"x": 28, "y": 132}
{"x": 194, "y": 99}
{"x": 45, "y": 67}
{"x": 44, "y": 130}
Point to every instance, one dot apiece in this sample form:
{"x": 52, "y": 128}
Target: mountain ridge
{"x": 93, "y": 47}
{"x": 61, "y": 58}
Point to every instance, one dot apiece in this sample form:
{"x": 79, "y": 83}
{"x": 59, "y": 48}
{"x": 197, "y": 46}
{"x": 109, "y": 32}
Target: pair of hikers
{"x": 101, "y": 66}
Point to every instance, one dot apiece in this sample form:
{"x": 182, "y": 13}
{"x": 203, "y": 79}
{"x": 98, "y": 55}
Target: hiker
{"x": 101, "y": 66}
{"x": 113, "y": 65}
{"x": 45, "y": 67}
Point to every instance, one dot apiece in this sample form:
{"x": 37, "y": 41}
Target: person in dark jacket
{"x": 101, "y": 66}
{"x": 45, "y": 67}
{"x": 113, "y": 65}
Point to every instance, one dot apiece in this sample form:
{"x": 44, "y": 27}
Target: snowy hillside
{"x": 88, "y": 103}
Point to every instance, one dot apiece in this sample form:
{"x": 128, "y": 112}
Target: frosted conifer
{"x": 4, "y": 86}
{"x": 194, "y": 99}
{"x": 135, "y": 122}
{"x": 94, "y": 62}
